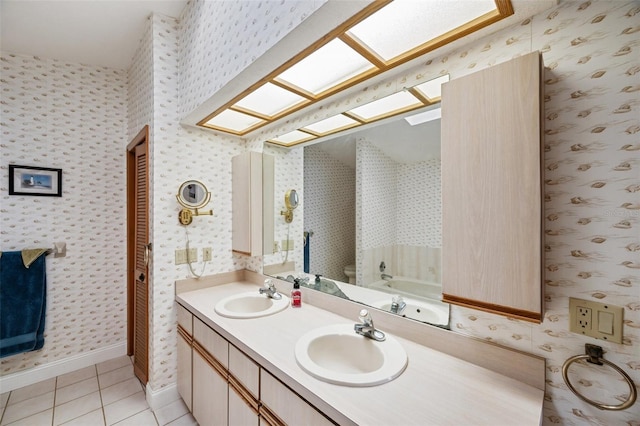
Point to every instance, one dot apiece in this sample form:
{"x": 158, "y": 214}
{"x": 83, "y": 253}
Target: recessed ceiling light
{"x": 423, "y": 117}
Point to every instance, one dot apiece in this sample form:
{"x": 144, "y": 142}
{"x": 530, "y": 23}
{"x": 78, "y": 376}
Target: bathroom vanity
{"x": 244, "y": 371}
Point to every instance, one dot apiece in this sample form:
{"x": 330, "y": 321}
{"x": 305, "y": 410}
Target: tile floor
{"x": 103, "y": 394}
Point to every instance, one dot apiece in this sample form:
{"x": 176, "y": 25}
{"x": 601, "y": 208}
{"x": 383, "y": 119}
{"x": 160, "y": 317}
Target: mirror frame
{"x": 184, "y": 203}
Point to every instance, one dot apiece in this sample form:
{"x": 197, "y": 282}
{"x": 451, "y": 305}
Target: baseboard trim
{"x": 62, "y": 366}
{"x": 163, "y": 397}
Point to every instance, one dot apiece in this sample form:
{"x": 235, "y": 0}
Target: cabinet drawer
{"x": 245, "y": 371}
{"x": 185, "y": 319}
{"x": 212, "y": 342}
{"x": 287, "y": 405}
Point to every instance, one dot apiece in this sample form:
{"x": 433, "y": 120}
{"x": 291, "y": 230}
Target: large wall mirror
{"x": 372, "y": 216}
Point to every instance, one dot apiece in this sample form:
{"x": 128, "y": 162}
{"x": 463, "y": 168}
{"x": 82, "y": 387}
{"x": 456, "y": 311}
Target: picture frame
{"x": 39, "y": 181}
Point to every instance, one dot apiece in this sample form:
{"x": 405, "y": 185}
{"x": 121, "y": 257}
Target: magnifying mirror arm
{"x": 288, "y": 215}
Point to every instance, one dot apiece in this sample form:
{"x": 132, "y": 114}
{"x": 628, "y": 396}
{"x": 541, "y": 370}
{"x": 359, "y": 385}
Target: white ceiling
{"x": 92, "y": 32}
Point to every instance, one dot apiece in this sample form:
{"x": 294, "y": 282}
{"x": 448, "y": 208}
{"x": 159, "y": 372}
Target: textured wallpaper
{"x": 419, "y": 212}
{"x": 178, "y": 154}
{"x": 73, "y": 117}
{"x": 330, "y": 212}
{"x": 221, "y": 38}
{"x": 592, "y": 212}
{"x": 591, "y": 205}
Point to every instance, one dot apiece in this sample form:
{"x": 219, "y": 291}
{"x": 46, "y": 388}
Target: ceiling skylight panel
{"x": 389, "y": 105}
{"x": 404, "y": 25}
{"x": 332, "y": 124}
{"x": 432, "y": 89}
{"x": 269, "y": 100}
{"x": 332, "y": 64}
{"x": 292, "y": 138}
{"x": 233, "y": 120}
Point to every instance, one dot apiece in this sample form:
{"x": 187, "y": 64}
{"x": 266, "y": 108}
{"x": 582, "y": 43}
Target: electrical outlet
{"x": 206, "y": 254}
{"x": 596, "y": 319}
{"x": 276, "y": 247}
{"x": 287, "y": 245}
{"x": 181, "y": 256}
{"x": 584, "y": 318}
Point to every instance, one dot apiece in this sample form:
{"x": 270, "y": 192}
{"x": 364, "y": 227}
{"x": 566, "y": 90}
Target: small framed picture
{"x": 42, "y": 181}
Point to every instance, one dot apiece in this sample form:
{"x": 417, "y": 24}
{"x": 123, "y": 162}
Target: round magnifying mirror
{"x": 193, "y": 194}
{"x": 291, "y": 199}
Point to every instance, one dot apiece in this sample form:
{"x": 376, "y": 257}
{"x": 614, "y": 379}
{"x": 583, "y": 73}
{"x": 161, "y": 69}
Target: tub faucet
{"x": 397, "y": 305}
{"x": 270, "y": 290}
{"x": 386, "y": 277}
{"x": 367, "y": 329}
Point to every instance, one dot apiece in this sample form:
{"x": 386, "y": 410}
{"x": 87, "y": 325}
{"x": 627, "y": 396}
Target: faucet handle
{"x": 268, "y": 283}
{"x": 365, "y": 316}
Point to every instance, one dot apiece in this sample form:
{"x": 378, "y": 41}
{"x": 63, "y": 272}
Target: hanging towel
{"x": 307, "y": 251}
{"x": 22, "y": 304}
{"x": 31, "y": 255}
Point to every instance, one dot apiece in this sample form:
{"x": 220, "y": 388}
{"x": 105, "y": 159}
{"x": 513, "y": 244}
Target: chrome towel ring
{"x": 594, "y": 355}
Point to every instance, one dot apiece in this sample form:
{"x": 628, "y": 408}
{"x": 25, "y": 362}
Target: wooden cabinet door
{"x": 491, "y": 189}
{"x": 287, "y": 406}
{"x": 210, "y": 393}
{"x": 240, "y": 412}
{"x": 184, "y": 369}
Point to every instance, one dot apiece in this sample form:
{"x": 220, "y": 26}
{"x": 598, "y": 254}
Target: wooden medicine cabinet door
{"x": 491, "y": 189}
{"x": 252, "y": 203}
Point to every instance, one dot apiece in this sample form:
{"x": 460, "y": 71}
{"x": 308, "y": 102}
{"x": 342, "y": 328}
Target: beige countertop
{"x": 435, "y": 388}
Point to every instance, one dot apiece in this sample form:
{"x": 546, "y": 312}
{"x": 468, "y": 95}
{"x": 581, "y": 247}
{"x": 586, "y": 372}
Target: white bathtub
{"x": 409, "y": 287}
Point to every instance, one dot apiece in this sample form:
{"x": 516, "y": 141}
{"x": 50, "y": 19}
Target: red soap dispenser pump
{"x": 296, "y": 294}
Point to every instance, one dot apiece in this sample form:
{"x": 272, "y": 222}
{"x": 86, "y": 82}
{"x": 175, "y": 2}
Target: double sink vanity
{"x": 247, "y": 358}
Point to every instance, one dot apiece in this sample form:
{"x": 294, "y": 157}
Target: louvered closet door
{"x": 138, "y": 256}
{"x": 141, "y": 341}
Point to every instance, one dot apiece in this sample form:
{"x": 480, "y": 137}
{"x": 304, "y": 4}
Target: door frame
{"x": 140, "y": 138}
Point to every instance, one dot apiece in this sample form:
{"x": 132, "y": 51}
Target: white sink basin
{"x": 250, "y": 305}
{"x": 437, "y": 313}
{"x": 337, "y": 354}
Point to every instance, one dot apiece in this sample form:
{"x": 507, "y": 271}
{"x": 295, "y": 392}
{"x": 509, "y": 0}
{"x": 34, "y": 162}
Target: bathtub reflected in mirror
{"x": 393, "y": 218}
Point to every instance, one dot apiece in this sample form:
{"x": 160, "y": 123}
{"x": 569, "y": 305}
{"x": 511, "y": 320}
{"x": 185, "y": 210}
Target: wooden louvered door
{"x": 138, "y": 253}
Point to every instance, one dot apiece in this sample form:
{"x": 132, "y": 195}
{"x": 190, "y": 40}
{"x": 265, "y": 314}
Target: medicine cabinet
{"x": 253, "y": 203}
{"x": 491, "y": 189}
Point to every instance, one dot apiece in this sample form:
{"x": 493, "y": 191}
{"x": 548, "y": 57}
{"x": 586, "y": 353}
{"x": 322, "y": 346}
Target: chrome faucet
{"x": 367, "y": 329}
{"x": 382, "y": 268}
{"x": 270, "y": 290}
{"x": 397, "y": 305}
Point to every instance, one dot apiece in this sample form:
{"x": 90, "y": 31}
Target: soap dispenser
{"x": 296, "y": 294}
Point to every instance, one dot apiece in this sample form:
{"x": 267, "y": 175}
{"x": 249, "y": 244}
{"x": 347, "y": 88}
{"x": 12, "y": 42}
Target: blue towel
{"x": 307, "y": 251}
{"x": 22, "y": 304}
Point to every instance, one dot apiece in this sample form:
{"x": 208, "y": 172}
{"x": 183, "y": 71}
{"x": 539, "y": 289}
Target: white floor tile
{"x": 76, "y": 376}
{"x": 120, "y": 390}
{"x": 115, "y": 376}
{"x": 32, "y": 391}
{"x": 171, "y": 412}
{"x": 186, "y": 420}
{"x": 76, "y": 408}
{"x": 113, "y": 364}
{"x": 43, "y": 418}
{"x": 144, "y": 418}
{"x": 125, "y": 408}
{"x": 94, "y": 418}
{"x": 76, "y": 390}
{"x": 27, "y": 407}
